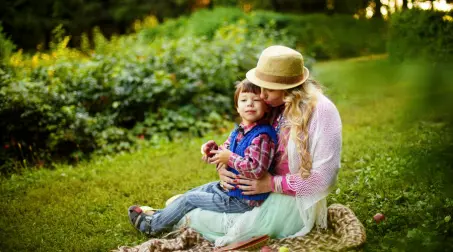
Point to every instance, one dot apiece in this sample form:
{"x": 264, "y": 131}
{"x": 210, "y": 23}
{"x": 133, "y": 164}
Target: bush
{"x": 201, "y": 23}
{"x": 329, "y": 37}
{"x": 164, "y": 81}
{"x": 317, "y": 35}
{"x": 419, "y": 34}
{"x": 68, "y": 104}
{"x": 6, "y": 45}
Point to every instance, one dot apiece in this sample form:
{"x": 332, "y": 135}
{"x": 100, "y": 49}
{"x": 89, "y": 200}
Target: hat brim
{"x": 274, "y": 85}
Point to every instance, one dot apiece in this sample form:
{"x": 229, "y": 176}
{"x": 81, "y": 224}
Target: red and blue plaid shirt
{"x": 257, "y": 156}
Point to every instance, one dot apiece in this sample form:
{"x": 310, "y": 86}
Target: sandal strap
{"x": 135, "y": 216}
{"x": 138, "y": 220}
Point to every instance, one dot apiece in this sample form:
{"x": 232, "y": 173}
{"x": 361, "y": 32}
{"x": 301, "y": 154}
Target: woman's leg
{"x": 277, "y": 217}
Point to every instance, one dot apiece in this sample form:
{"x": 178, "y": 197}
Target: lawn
{"x": 395, "y": 161}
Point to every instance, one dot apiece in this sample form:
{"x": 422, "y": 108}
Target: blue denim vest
{"x": 239, "y": 148}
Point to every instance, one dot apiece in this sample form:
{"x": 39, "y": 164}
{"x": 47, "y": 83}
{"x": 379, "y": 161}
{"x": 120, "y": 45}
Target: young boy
{"x": 248, "y": 151}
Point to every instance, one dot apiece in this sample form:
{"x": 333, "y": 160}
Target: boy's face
{"x": 251, "y": 107}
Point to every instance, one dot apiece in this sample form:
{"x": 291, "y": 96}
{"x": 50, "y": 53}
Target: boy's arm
{"x": 225, "y": 145}
{"x": 257, "y": 157}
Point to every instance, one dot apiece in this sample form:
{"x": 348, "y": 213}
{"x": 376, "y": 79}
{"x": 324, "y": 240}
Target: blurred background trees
{"x": 29, "y": 23}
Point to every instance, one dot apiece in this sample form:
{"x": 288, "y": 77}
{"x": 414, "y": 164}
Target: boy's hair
{"x": 247, "y": 87}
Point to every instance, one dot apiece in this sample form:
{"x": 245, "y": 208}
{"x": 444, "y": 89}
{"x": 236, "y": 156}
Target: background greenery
{"x": 158, "y": 91}
{"x": 159, "y": 82}
{"x": 30, "y": 22}
{"x": 417, "y": 34}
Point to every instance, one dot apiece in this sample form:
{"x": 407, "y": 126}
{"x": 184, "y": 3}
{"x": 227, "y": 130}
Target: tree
{"x": 377, "y": 9}
{"x": 348, "y": 6}
{"x": 404, "y": 6}
{"x": 30, "y": 22}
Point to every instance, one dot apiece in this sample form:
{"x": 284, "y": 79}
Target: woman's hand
{"x": 226, "y": 177}
{"x": 255, "y": 186}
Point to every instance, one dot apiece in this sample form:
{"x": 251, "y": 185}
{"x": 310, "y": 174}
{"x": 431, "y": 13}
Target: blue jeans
{"x": 207, "y": 197}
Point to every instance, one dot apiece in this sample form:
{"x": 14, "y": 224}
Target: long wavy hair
{"x": 299, "y": 106}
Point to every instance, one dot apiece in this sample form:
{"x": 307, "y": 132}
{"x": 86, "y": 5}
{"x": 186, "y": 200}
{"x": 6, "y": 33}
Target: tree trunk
{"x": 377, "y": 9}
{"x": 404, "y": 7}
{"x": 313, "y": 6}
{"x": 275, "y": 5}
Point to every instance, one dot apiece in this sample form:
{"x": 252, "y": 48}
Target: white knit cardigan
{"x": 325, "y": 149}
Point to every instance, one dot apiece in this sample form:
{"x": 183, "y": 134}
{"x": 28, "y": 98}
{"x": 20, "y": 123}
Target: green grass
{"x": 396, "y": 160}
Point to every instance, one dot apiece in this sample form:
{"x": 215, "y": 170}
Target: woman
{"x": 306, "y": 163}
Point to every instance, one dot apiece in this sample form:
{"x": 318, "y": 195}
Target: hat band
{"x": 279, "y": 79}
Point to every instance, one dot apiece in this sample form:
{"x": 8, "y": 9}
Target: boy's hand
{"x": 206, "y": 151}
{"x": 221, "y": 156}
{"x": 207, "y": 147}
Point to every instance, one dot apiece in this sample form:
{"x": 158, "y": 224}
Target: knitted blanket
{"x": 344, "y": 233}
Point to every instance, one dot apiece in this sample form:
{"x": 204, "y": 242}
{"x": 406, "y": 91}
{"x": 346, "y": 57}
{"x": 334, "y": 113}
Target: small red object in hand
{"x": 210, "y": 154}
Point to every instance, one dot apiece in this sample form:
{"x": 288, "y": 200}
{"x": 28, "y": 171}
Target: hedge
{"x": 69, "y": 104}
{"x": 421, "y": 35}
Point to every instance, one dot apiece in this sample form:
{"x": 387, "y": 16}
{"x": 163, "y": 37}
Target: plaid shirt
{"x": 257, "y": 157}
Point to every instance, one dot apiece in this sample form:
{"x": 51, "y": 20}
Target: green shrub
{"x": 173, "y": 79}
{"x": 201, "y": 23}
{"x": 64, "y": 104}
{"x": 317, "y": 35}
{"x": 6, "y": 45}
{"x": 420, "y": 34}
{"x": 329, "y": 37}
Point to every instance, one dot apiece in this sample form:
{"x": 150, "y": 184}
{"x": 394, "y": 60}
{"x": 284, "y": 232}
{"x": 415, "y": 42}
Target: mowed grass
{"x": 395, "y": 161}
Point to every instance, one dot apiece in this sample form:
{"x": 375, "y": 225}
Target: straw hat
{"x": 279, "y": 67}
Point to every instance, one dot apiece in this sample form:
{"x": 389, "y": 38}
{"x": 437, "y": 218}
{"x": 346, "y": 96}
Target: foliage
{"x": 420, "y": 34}
{"x": 392, "y": 163}
{"x": 317, "y": 35}
{"x": 202, "y": 23}
{"x": 66, "y": 103}
{"x": 294, "y": 6}
{"x": 6, "y": 46}
{"x": 329, "y": 37}
{"x": 30, "y": 22}
{"x": 111, "y": 94}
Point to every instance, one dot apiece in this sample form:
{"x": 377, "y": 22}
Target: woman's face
{"x": 273, "y": 98}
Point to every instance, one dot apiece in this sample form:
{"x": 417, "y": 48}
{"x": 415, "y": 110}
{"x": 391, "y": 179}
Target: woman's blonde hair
{"x": 299, "y": 106}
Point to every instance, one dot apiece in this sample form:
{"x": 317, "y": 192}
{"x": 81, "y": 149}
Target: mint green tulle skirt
{"x": 277, "y": 217}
